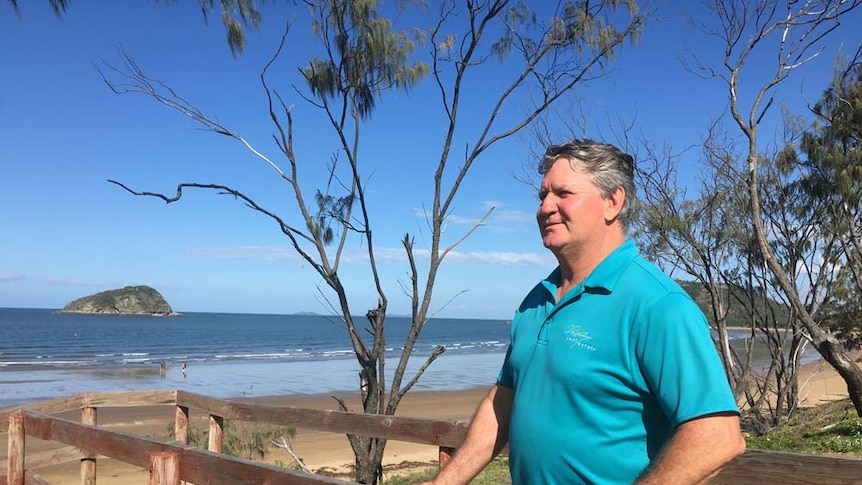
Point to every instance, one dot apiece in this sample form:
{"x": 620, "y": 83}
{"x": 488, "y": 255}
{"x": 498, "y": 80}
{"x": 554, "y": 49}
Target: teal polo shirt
{"x": 602, "y": 377}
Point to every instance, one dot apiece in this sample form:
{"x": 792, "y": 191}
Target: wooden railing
{"x": 171, "y": 463}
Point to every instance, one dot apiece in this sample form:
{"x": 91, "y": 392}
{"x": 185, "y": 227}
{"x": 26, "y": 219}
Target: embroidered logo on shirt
{"x": 578, "y": 337}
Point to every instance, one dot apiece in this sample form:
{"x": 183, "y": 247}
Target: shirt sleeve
{"x": 679, "y": 362}
{"x": 504, "y": 378}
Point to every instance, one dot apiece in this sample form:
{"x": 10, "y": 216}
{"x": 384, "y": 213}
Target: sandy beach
{"x": 330, "y": 453}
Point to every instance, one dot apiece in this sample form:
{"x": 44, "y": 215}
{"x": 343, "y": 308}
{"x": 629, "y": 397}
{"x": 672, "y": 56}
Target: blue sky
{"x": 65, "y": 232}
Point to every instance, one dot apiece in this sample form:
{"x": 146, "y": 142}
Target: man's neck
{"x": 576, "y": 265}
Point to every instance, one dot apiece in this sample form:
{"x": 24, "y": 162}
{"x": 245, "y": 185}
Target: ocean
{"x": 45, "y": 355}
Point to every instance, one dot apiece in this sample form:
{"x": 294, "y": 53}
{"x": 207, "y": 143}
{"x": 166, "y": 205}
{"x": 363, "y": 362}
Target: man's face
{"x": 572, "y": 212}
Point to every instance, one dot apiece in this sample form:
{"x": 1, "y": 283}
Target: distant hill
{"x": 736, "y": 316}
{"x": 131, "y": 300}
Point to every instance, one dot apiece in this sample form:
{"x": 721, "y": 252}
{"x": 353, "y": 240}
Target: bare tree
{"x": 366, "y": 58}
{"x": 793, "y": 33}
{"x": 703, "y": 237}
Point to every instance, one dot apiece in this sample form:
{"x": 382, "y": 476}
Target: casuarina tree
{"x": 538, "y": 57}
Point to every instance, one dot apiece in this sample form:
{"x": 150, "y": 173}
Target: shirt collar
{"x": 605, "y": 275}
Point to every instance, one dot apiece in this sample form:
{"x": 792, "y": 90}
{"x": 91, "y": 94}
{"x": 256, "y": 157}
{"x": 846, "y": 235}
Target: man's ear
{"x": 614, "y": 204}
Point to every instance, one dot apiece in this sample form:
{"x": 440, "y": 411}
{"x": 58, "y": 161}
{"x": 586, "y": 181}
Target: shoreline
{"x": 232, "y": 379}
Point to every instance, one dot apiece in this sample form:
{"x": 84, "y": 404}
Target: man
{"x": 611, "y": 376}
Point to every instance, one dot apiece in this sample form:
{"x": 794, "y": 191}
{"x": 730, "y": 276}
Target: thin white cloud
{"x": 382, "y": 254}
{"x": 501, "y": 258}
{"x": 489, "y": 258}
{"x": 507, "y": 221}
{"x": 396, "y": 255}
{"x": 500, "y": 221}
{"x": 11, "y": 277}
{"x": 77, "y": 282}
{"x": 455, "y": 219}
{"x": 251, "y": 253}
{"x": 514, "y": 216}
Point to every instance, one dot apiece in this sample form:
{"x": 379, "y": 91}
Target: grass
{"x": 832, "y": 428}
{"x": 496, "y": 473}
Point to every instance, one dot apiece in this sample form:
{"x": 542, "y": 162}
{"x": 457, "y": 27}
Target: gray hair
{"x": 607, "y": 165}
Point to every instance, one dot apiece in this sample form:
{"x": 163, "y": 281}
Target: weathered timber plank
{"x": 200, "y": 402}
{"x": 51, "y": 406}
{"x": 414, "y": 430}
{"x": 181, "y": 424}
{"x": 125, "y": 447}
{"x": 54, "y": 457}
{"x": 165, "y": 469}
{"x": 33, "y": 479}
{"x": 758, "y": 467}
{"x": 93, "y": 399}
{"x": 29, "y": 479}
{"x": 127, "y": 399}
{"x": 89, "y": 416}
{"x": 215, "y": 437}
{"x": 201, "y": 466}
{"x": 196, "y": 466}
{"x": 15, "y": 448}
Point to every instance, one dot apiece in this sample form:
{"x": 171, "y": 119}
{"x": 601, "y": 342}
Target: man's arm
{"x": 697, "y": 451}
{"x": 487, "y": 435}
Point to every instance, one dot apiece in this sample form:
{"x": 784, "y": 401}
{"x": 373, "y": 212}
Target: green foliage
{"x": 830, "y": 428}
{"x": 496, "y": 473}
{"x": 252, "y": 440}
{"x": 58, "y": 6}
{"x": 579, "y": 25}
{"x": 737, "y": 314}
{"x": 235, "y": 15}
{"x": 330, "y": 208}
{"x": 365, "y": 55}
{"x": 832, "y": 179}
{"x": 240, "y": 438}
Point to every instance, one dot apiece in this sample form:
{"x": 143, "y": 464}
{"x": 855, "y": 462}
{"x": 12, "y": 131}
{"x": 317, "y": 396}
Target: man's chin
{"x": 550, "y": 244}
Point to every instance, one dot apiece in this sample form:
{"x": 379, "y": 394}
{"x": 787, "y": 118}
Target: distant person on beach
{"x": 184, "y": 369}
{"x": 163, "y": 369}
{"x": 611, "y": 376}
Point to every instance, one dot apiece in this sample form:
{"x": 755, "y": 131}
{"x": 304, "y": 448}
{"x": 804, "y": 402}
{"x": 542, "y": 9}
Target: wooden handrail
{"x": 446, "y": 433}
{"x": 198, "y": 466}
{"x": 754, "y": 467}
{"x": 759, "y": 467}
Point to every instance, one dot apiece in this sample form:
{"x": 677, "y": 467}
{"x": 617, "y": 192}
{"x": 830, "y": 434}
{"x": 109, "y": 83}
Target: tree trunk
{"x": 832, "y": 352}
{"x": 368, "y": 453}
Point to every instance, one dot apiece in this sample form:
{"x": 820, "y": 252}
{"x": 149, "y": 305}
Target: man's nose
{"x": 547, "y": 206}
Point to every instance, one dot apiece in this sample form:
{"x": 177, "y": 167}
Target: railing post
{"x": 181, "y": 424}
{"x": 165, "y": 468}
{"x": 15, "y": 455}
{"x": 216, "y": 434}
{"x": 444, "y": 455}
{"x": 88, "y": 465}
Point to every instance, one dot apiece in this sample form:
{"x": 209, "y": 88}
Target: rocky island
{"x": 131, "y": 300}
